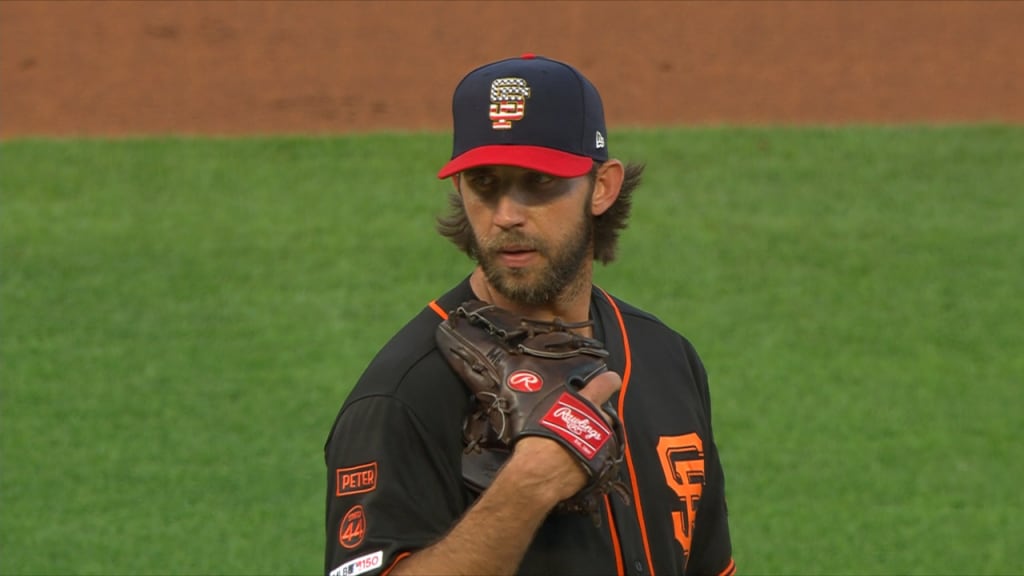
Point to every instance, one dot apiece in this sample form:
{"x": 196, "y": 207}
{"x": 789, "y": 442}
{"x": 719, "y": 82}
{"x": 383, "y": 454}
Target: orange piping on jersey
{"x": 401, "y": 556}
{"x": 620, "y": 569}
{"x": 730, "y": 569}
{"x": 629, "y": 457}
{"x": 440, "y": 311}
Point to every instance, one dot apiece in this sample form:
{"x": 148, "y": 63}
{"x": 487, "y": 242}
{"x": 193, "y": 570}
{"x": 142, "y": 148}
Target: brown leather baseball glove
{"x": 525, "y": 376}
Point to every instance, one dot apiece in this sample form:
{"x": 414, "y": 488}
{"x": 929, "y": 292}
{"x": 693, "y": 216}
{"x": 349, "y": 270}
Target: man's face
{"x": 532, "y": 233}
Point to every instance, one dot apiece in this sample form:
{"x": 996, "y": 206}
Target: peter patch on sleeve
{"x": 356, "y": 479}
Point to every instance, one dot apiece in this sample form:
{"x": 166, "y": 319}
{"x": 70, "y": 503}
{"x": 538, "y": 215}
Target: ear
{"x": 607, "y": 186}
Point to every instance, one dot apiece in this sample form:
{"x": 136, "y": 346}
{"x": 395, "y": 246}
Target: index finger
{"x": 601, "y": 388}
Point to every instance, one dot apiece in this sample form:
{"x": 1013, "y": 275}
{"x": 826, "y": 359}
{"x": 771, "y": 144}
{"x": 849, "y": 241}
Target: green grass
{"x": 182, "y": 318}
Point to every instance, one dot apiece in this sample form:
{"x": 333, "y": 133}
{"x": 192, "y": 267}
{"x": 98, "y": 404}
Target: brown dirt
{"x": 117, "y": 68}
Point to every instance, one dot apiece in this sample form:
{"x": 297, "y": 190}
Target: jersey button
{"x": 639, "y": 567}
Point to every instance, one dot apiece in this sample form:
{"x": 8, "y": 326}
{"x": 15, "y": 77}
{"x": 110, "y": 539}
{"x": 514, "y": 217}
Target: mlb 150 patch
{"x": 360, "y": 565}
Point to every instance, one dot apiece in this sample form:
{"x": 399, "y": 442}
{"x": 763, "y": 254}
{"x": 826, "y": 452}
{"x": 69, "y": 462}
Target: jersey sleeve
{"x": 712, "y": 544}
{"x": 390, "y": 490}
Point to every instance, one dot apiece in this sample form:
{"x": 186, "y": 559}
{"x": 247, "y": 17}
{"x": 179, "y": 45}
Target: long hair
{"x": 455, "y": 225}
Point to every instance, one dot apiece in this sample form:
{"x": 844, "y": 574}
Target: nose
{"x": 509, "y": 212}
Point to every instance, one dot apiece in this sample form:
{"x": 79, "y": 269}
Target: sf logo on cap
{"x": 508, "y": 101}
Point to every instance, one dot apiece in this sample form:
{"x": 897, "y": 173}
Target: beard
{"x": 557, "y": 276}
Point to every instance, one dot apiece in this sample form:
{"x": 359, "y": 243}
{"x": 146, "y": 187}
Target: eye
{"x": 540, "y": 180}
{"x": 481, "y": 181}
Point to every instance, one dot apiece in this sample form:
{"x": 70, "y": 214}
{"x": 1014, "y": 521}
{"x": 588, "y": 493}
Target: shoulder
{"x": 410, "y": 359}
{"x": 645, "y": 337}
{"x": 634, "y": 315}
{"x": 645, "y": 328}
{"x": 655, "y": 350}
{"x": 409, "y": 370}
{"x": 408, "y": 384}
{"x": 407, "y": 363}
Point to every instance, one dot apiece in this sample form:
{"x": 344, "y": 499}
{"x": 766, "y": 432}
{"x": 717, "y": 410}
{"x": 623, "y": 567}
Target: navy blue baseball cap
{"x": 531, "y": 112}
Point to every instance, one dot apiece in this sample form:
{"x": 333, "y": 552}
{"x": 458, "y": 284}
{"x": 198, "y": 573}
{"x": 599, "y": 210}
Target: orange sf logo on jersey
{"x": 682, "y": 461}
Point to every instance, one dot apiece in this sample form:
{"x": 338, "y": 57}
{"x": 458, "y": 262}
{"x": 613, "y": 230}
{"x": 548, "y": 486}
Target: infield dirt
{"x": 119, "y": 68}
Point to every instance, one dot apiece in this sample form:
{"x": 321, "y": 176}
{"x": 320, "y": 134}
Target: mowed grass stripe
{"x": 182, "y": 317}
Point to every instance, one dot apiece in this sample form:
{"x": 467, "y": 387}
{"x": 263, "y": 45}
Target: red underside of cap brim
{"x": 546, "y": 160}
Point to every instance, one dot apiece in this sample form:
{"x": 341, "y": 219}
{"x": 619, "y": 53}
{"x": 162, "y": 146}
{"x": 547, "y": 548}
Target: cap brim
{"x": 545, "y": 160}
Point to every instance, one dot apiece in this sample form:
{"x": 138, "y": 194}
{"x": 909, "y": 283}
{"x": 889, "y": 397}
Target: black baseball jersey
{"x": 394, "y": 482}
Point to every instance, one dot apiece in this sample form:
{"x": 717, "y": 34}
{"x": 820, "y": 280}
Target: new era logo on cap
{"x": 531, "y": 112}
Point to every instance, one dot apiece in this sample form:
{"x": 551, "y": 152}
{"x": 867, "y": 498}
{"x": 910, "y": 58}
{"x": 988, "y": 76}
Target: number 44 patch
{"x": 353, "y": 528}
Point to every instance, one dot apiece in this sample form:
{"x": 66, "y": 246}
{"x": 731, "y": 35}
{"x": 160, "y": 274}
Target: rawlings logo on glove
{"x": 525, "y": 381}
{"x": 577, "y": 424}
{"x": 525, "y": 376}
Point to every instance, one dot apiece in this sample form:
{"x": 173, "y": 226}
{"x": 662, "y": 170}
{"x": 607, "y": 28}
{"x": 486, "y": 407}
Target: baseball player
{"x": 528, "y": 422}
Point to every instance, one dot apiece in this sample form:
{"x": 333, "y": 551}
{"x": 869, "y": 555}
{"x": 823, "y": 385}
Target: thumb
{"x": 601, "y": 388}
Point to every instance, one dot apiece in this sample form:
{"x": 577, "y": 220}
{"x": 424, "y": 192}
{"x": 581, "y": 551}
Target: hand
{"x": 543, "y": 466}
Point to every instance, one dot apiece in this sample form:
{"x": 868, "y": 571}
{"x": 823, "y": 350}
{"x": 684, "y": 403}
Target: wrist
{"x": 544, "y": 472}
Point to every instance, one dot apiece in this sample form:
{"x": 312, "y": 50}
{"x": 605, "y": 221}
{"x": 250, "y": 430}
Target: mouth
{"x": 516, "y": 256}
{"x": 515, "y": 249}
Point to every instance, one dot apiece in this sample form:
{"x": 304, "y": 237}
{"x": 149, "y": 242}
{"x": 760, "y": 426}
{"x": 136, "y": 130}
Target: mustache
{"x": 511, "y": 239}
